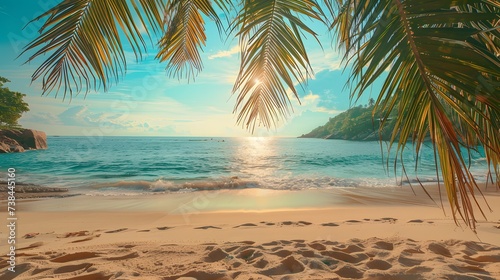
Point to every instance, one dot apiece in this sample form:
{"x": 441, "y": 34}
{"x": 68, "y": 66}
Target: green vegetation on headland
{"x": 12, "y": 106}
{"x": 13, "y": 138}
{"x": 357, "y": 123}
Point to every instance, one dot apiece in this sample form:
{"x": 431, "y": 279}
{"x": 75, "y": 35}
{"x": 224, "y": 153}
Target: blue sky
{"x": 147, "y": 102}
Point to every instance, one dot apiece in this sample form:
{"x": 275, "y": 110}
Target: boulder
{"x": 4, "y": 148}
{"x": 19, "y": 140}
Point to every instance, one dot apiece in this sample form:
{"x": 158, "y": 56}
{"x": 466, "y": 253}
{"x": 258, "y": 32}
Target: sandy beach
{"x": 252, "y": 234}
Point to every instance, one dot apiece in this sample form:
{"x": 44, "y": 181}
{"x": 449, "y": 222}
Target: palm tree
{"x": 442, "y": 59}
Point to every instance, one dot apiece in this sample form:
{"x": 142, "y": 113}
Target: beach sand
{"x": 351, "y": 233}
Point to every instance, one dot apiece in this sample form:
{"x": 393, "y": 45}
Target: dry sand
{"x": 251, "y": 234}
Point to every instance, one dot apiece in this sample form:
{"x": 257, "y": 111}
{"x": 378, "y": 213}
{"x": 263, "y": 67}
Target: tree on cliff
{"x": 440, "y": 58}
{"x": 12, "y": 105}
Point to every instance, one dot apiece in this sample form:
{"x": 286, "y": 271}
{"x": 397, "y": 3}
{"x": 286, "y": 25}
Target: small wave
{"x": 161, "y": 185}
{"x": 164, "y": 185}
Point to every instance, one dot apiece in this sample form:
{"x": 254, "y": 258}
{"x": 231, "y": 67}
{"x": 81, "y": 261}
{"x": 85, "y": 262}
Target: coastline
{"x": 190, "y": 238}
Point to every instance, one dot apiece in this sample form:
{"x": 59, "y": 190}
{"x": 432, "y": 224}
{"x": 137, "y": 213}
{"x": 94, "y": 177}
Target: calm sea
{"x": 140, "y": 165}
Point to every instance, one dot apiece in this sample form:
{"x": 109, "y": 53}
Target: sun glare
{"x": 256, "y": 152}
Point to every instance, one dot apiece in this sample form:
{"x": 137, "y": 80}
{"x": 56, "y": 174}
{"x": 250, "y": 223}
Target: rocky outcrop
{"x": 20, "y": 140}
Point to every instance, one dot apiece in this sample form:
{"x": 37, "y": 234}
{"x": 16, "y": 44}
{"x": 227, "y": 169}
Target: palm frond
{"x": 273, "y": 58}
{"x": 443, "y": 78}
{"x": 185, "y": 35}
{"x": 83, "y": 40}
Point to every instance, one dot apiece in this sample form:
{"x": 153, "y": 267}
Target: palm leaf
{"x": 273, "y": 58}
{"x": 83, "y": 39}
{"x": 185, "y": 35}
{"x": 443, "y": 78}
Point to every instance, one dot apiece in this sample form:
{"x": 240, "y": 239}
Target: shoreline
{"x": 33, "y": 191}
{"x": 36, "y": 197}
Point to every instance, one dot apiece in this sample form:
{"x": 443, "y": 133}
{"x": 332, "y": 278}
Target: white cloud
{"x": 38, "y": 117}
{"x": 325, "y": 60}
{"x": 230, "y": 52}
{"x": 311, "y": 97}
{"x": 328, "y": 111}
{"x": 311, "y": 103}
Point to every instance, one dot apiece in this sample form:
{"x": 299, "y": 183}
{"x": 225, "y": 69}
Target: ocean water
{"x": 146, "y": 165}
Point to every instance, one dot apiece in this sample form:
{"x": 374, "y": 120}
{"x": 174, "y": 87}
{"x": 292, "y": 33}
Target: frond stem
{"x": 413, "y": 45}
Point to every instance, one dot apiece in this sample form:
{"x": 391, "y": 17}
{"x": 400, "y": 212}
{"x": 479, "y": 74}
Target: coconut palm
{"x": 441, "y": 57}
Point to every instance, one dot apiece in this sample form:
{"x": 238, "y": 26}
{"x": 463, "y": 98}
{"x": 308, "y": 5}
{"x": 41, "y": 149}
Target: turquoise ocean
{"x": 149, "y": 165}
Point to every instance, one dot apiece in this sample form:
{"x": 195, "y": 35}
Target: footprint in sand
{"x": 384, "y": 245}
{"x": 273, "y": 243}
{"x": 350, "y": 258}
{"x": 262, "y": 263}
{"x": 116, "y": 230}
{"x": 378, "y": 264}
{"x": 246, "y": 225}
{"x": 20, "y": 269}
{"x": 216, "y": 255}
{"x": 75, "y": 234}
{"x": 31, "y": 235}
{"x": 75, "y": 257}
{"x": 283, "y": 253}
{"x": 408, "y": 261}
{"x": 389, "y": 219}
{"x": 350, "y": 249}
{"x": 439, "y": 249}
{"x": 306, "y": 253}
{"x": 249, "y": 254}
{"x": 40, "y": 270}
{"x": 349, "y": 271}
{"x": 124, "y": 257}
{"x": 72, "y": 268}
{"x": 286, "y": 266}
{"x": 485, "y": 258}
{"x": 317, "y": 246}
{"x": 330, "y": 225}
{"x": 85, "y": 239}
{"x": 417, "y": 221}
{"x": 208, "y": 227}
{"x": 164, "y": 228}
{"x": 31, "y": 246}
{"x": 127, "y": 246}
{"x": 299, "y": 223}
